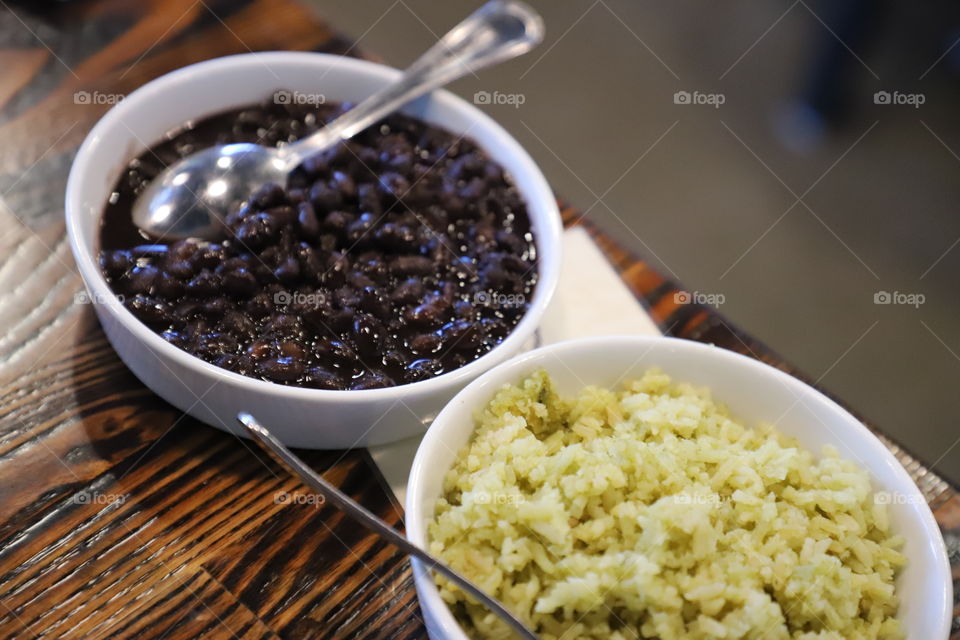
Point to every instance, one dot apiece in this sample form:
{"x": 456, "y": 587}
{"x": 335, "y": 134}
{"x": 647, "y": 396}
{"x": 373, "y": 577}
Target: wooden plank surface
{"x": 120, "y": 517}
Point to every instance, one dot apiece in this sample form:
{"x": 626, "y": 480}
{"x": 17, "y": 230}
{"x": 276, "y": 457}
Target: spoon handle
{"x": 497, "y": 31}
{"x": 286, "y": 458}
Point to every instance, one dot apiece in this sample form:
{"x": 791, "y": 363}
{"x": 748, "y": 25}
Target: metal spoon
{"x": 315, "y": 481}
{"x": 192, "y": 197}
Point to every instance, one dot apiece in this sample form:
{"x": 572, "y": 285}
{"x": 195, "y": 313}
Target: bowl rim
{"x": 547, "y": 236}
{"x": 415, "y": 506}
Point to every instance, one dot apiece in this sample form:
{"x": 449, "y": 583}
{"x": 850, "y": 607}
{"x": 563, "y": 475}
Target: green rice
{"x": 648, "y": 512}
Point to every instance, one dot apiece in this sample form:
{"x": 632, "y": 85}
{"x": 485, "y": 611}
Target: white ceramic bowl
{"x": 300, "y": 417}
{"x": 755, "y": 393}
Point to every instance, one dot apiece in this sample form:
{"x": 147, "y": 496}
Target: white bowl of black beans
{"x": 345, "y": 308}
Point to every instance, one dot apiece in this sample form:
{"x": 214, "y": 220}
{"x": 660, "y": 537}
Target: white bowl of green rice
{"x": 637, "y": 487}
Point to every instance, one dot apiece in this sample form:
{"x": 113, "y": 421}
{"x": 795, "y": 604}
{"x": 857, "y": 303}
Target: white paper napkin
{"x": 590, "y": 300}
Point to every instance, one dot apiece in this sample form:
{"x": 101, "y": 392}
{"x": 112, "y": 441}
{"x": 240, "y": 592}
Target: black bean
{"x": 344, "y": 183}
{"x": 425, "y": 344}
{"x": 321, "y": 378}
{"x": 408, "y": 291}
{"x": 367, "y": 333}
{"x": 360, "y": 228}
{"x": 216, "y": 307}
{"x": 369, "y": 199}
{"x": 460, "y": 334}
{"x": 422, "y": 369}
{"x": 282, "y": 369}
{"x": 338, "y": 319}
{"x": 325, "y": 197}
{"x": 337, "y": 222}
{"x": 430, "y": 312}
{"x": 282, "y": 325}
{"x": 182, "y": 269}
{"x": 295, "y": 196}
{"x": 259, "y": 350}
{"x": 237, "y": 363}
{"x": 116, "y": 263}
{"x": 373, "y": 300}
{"x": 143, "y": 279}
{"x": 208, "y": 256}
{"x": 236, "y": 322}
{"x": 183, "y": 249}
{"x": 258, "y": 231}
{"x": 175, "y": 338}
{"x": 260, "y": 305}
{"x": 395, "y": 237}
{"x": 285, "y": 215}
{"x": 204, "y": 285}
{"x": 168, "y": 287}
{"x": 269, "y": 195}
{"x": 373, "y": 380}
{"x": 149, "y": 310}
{"x": 239, "y": 282}
{"x": 307, "y": 221}
{"x": 393, "y": 186}
{"x": 288, "y": 270}
{"x": 412, "y": 265}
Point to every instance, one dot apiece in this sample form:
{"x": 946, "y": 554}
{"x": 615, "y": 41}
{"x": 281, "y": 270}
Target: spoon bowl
{"x": 193, "y": 197}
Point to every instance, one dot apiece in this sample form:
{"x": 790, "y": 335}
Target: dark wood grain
{"x": 119, "y": 516}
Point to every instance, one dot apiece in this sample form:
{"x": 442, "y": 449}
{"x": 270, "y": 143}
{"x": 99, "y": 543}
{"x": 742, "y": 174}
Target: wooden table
{"x": 120, "y": 517}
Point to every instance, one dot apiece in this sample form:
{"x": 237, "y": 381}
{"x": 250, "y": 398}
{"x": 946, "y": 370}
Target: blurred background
{"x": 797, "y": 161}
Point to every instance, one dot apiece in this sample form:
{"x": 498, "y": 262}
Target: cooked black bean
{"x": 268, "y": 196}
{"x": 150, "y": 310}
{"x": 425, "y": 343}
{"x": 258, "y": 231}
{"x": 116, "y": 263}
{"x": 142, "y": 279}
{"x": 282, "y": 369}
{"x": 205, "y": 284}
{"x": 240, "y": 282}
{"x": 391, "y": 258}
{"x": 412, "y": 265}
{"x": 307, "y": 220}
{"x": 321, "y": 378}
